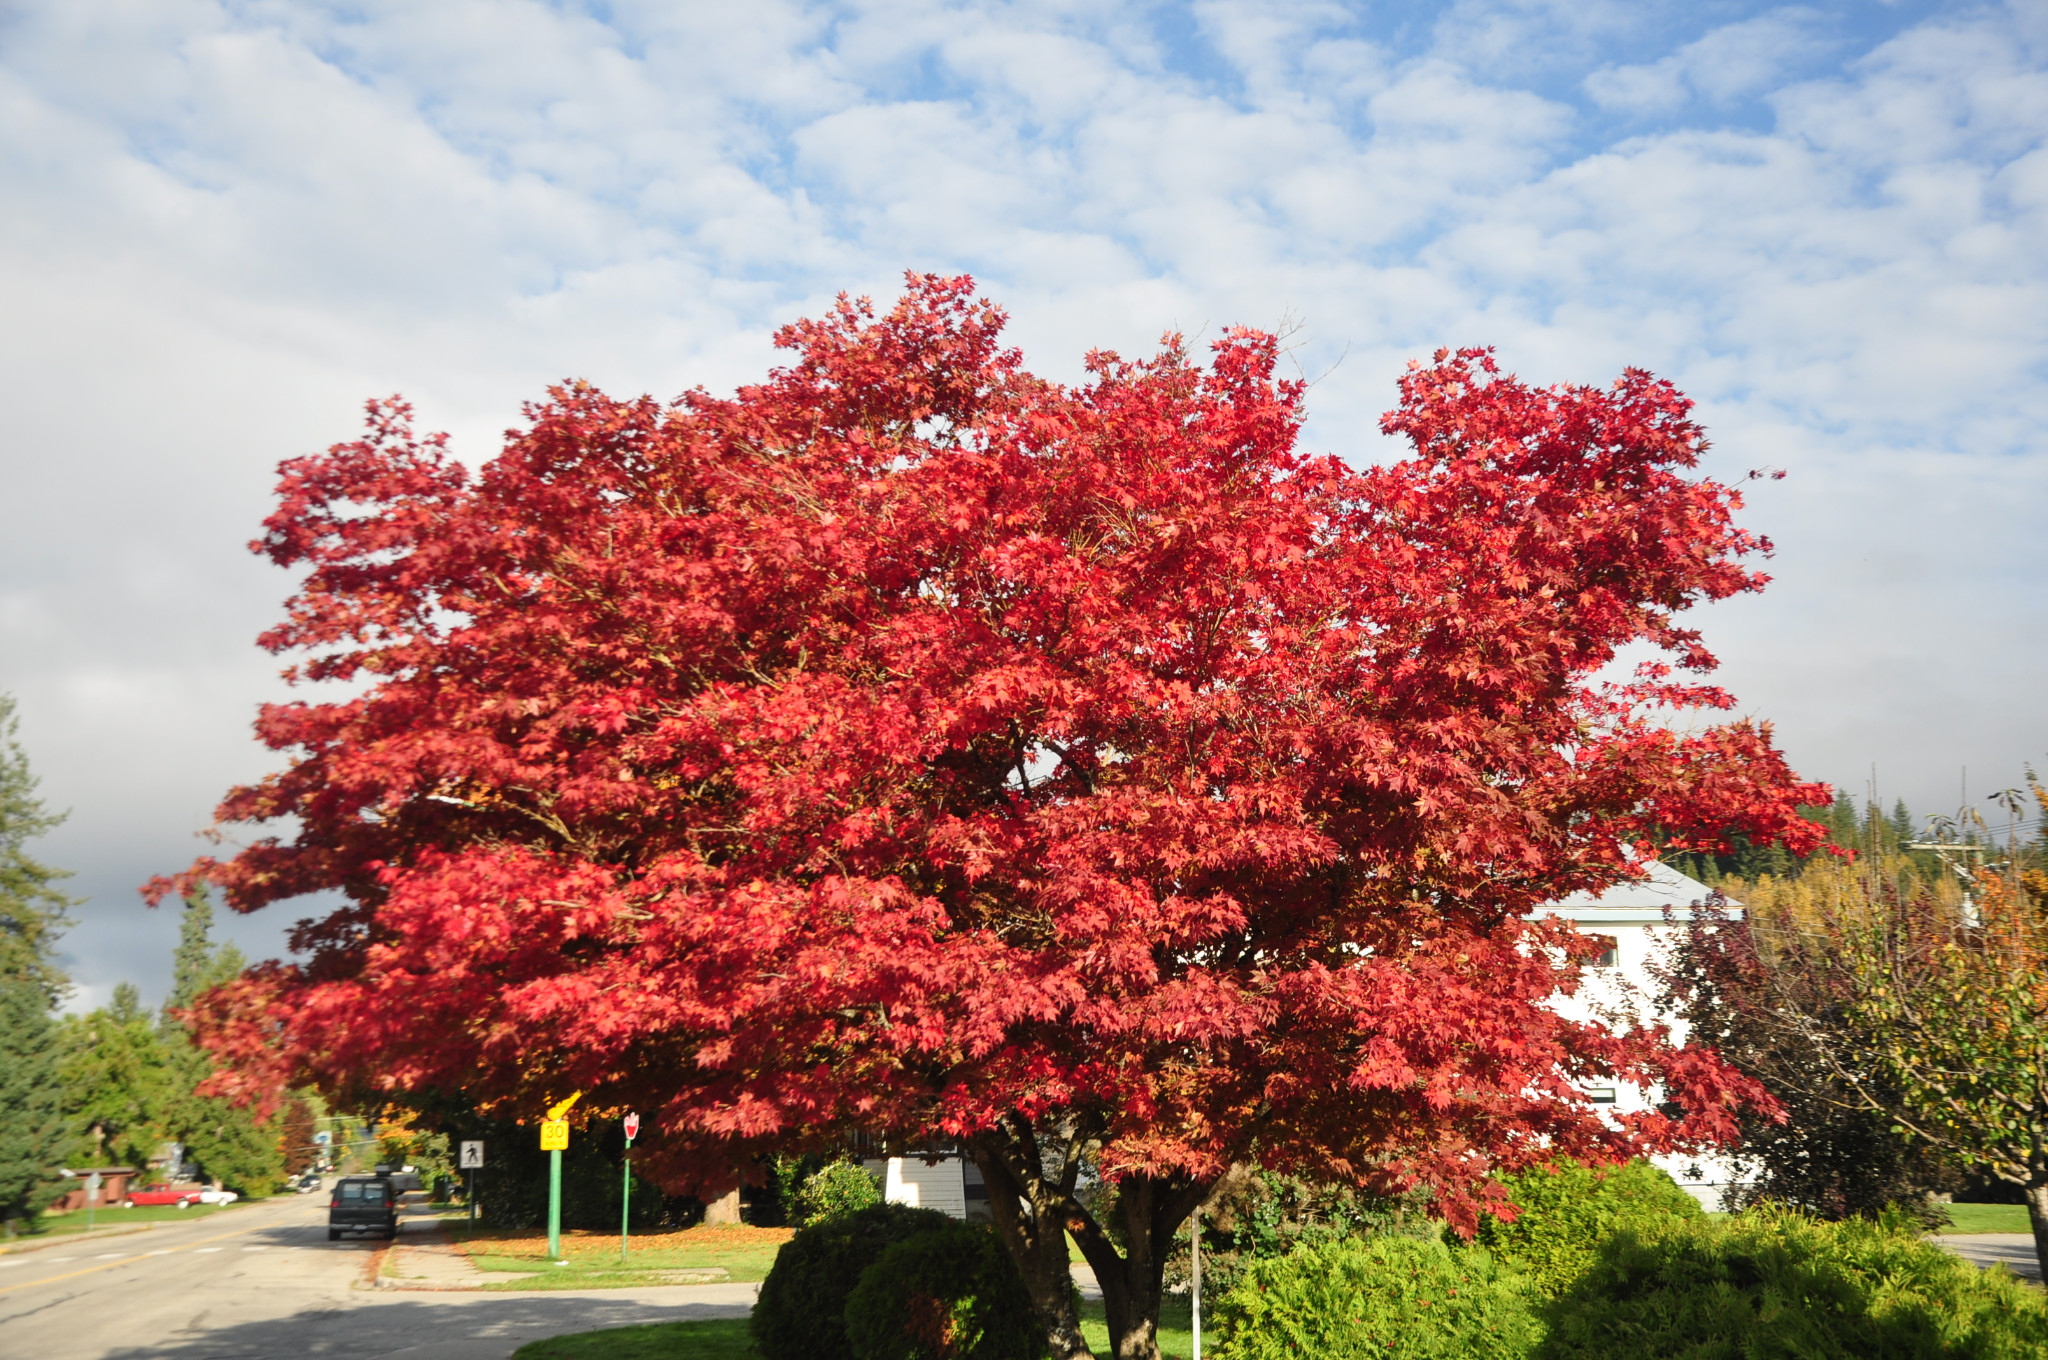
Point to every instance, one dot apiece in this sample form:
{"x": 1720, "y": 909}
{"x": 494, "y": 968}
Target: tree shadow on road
{"x": 465, "y": 1326}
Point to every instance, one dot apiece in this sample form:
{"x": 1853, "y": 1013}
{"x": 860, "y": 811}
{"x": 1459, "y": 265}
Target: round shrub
{"x": 835, "y": 1190}
{"x": 1772, "y": 1283}
{"x": 800, "y": 1313}
{"x": 1388, "y": 1298}
{"x": 1568, "y": 1210}
{"x": 949, "y": 1294}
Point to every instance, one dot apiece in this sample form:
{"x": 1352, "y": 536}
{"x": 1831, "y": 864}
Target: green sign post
{"x": 554, "y": 1140}
{"x": 626, "y": 1187}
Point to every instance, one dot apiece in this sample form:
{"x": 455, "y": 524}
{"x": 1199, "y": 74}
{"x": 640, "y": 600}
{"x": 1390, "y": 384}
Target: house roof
{"x": 1641, "y": 902}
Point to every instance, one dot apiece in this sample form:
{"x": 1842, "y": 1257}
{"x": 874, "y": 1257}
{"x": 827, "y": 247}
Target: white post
{"x": 1195, "y": 1275}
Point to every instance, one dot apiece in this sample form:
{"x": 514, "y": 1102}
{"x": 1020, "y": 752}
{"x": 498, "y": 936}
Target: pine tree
{"x": 33, "y": 1134}
{"x": 31, "y": 907}
{"x": 198, "y": 963}
{"x": 32, "y": 1130}
{"x": 1902, "y": 823}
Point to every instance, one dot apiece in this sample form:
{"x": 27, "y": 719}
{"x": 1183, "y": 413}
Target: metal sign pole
{"x": 554, "y": 1140}
{"x": 555, "y": 1204}
{"x": 1195, "y": 1276}
{"x": 626, "y": 1185}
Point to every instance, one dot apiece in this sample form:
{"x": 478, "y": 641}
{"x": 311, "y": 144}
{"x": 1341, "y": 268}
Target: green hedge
{"x": 1613, "y": 1268}
{"x": 1568, "y": 1210}
{"x": 1401, "y": 1298}
{"x": 1771, "y": 1284}
{"x": 949, "y": 1294}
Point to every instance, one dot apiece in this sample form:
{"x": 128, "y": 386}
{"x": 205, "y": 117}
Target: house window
{"x": 1600, "y": 1095}
{"x": 1610, "y": 951}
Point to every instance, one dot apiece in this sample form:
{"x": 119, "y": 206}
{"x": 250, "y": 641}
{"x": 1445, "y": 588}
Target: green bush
{"x": 800, "y": 1313}
{"x": 949, "y": 1294}
{"x": 1387, "y": 1298}
{"x": 1774, "y": 1284}
{"x": 1568, "y": 1210}
{"x": 835, "y": 1191}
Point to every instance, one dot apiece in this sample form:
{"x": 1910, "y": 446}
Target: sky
{"x": 226, "y": 225}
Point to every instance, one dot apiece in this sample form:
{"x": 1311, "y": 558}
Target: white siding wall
{"x": 940, "y": 1185}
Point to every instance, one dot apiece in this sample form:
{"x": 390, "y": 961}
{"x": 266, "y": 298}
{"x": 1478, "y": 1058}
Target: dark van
{"x": 367, "y": 1204}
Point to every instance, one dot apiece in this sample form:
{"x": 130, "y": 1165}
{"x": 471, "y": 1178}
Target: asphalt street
{"x": 262, "y": 1280}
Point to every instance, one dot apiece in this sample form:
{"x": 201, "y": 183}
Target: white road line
{"x": 110, "y": 1256}
{"x": 204, "y": 1250}
{"x": 256, "y": 1248}
{"x": 160, "y": 1251}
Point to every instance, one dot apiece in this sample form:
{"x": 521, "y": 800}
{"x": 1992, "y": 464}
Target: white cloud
{"x": 1735, "y": 61}
{"x": 231, "y": 222}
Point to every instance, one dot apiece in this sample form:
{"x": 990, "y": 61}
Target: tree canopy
{"x": 913, "y": 746}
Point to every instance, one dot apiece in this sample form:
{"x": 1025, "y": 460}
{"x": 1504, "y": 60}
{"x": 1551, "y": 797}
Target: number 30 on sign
{"x": 554, "y": 1135}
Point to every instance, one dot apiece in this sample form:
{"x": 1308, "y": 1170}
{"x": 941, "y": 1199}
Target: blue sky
{"x": 228, "y": 224}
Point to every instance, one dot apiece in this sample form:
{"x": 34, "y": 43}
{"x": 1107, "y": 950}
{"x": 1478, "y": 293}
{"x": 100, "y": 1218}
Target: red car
{"x": 180, "y": 1195}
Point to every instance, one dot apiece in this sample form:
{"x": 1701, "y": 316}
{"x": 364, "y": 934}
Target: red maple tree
{"x": 912, "y": 746}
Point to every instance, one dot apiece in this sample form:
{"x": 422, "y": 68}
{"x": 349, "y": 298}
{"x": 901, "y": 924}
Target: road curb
{"x": 78, "y": 1239}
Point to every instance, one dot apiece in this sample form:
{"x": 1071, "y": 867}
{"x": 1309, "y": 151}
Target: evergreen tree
{"x": 31, "y": 907}
{"x": 33, "y": 1135}
{"x": 32, "y": 1130}
{"x": 198, "y": 963}
{"x": 1902, "y": 823}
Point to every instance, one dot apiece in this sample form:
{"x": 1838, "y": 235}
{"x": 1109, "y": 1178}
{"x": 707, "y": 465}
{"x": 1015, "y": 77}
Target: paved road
{"x": 261, "y": 1282}
{"x": 2015, "y": 1251}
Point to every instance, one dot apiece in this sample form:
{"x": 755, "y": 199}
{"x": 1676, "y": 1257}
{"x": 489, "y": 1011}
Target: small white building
{"x": 947, "y": 1181}
{"x": 1631, "y": 916}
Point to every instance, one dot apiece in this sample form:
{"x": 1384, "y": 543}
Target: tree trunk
{"x": 1031, "y": 1176}
{"x": 2037, "y": 1217}
{"x": 1133, "y": 1282}
{"x": 724, "y": 1209}
{"x": 1030, "y": 1217}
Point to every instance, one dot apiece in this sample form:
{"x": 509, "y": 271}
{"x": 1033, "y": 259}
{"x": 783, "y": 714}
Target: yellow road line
{"x": 127, "y": 1260}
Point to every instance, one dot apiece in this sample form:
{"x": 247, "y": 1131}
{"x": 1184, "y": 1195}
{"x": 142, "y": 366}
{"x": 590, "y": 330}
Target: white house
{"x": 1630, "y": 915}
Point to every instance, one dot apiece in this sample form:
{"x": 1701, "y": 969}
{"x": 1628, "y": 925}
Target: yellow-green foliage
{"x": 1772, "y": 1284}
{"x": 1568, "y": 1210}
{"x": 1767, "y": 1285}
{"x": 1389, "y": 1298}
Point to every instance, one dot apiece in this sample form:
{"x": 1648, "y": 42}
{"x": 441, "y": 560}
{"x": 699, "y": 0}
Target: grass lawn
{"x": 58, "y": 1225}
{"x": 728, "y": 1339}
{"x": 1987, "y": 1218}
{"x": 653, "y": 1257}
{"x": 716, "y": 1339}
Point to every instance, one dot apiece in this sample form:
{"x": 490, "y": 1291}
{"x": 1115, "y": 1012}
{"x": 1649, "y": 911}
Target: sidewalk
{"x": 425, "y": 1257}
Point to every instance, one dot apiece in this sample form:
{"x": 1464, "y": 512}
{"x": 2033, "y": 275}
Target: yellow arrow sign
{"x": 560, "y": 1108}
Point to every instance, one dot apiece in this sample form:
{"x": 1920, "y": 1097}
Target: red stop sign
{"x": 632, "y": 1127}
